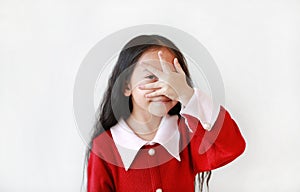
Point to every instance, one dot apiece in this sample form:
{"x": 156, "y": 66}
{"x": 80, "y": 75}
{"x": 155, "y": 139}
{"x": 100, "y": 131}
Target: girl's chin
{"x": 158, "y": 109}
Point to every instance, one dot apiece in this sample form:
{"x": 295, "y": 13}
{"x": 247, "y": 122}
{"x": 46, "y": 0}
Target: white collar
{"x": 128, "y": 143}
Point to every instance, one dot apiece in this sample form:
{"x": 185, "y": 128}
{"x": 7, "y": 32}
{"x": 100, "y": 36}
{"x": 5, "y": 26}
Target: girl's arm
{"x": 215, "y": 146}
{"x": 99, "y": 177}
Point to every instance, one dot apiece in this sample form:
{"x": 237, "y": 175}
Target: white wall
{"x": 42, "y": 43}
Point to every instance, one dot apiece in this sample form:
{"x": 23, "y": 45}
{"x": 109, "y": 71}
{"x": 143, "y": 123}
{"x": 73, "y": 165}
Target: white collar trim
{"x": 128, "y": 143}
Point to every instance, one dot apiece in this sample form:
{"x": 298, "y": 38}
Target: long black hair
{"x": 114, "y": 98}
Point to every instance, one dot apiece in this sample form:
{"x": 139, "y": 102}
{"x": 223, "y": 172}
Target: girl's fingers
{"x": 159, "y": 98}
{"x": 153, "y": 70}
{"x": 154, "y": 85}
{"x": 155, "y": 93}
{"x": 164, "y": 65}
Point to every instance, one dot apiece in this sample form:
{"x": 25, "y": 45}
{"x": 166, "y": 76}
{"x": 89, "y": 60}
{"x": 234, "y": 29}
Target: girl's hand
{"x": 170, "y": 84}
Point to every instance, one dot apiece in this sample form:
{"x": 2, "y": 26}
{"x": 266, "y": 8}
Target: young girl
{"x": 154, "y": 131}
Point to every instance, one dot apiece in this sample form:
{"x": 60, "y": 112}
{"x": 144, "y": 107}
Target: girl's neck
{"x": 144, "y": 127}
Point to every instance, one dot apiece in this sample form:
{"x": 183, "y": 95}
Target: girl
{"x": 153, "y": 131}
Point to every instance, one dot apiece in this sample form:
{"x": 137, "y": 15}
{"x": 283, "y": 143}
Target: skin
{"x": 157, "y": 84}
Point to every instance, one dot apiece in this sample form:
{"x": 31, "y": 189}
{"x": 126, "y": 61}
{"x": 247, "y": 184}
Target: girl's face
{"x": 142, "y": 106}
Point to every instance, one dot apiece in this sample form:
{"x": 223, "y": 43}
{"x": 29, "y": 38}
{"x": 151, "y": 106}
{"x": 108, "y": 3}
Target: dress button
{"x": 151, "y": 143}
{"x": 207, "y": 126}
{"x": 151, "y": 152}
{"x": 158, "y": 190}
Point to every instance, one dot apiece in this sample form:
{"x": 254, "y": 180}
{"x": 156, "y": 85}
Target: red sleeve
{"x": 217, "y": 147}
{"x": 99, "y": 175}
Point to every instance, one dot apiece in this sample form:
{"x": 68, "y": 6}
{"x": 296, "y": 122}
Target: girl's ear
{"x": 127, "y": 89}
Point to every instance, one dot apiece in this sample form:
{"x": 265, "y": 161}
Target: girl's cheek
{"x": 143, "y": 94}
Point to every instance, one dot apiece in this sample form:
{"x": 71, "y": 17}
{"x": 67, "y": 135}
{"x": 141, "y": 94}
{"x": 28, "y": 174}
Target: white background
{"x": 42, "y": 43}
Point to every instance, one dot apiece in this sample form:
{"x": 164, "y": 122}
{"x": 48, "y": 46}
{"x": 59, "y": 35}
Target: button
{"x": 158, "y": 190}
{"x": 151, "y": 143}
{"x": 151, "y": 152}
{"x": 207, "y": 126}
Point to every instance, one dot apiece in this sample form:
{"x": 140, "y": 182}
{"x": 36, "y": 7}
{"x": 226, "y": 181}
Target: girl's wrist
{"x": 186, "y": 96}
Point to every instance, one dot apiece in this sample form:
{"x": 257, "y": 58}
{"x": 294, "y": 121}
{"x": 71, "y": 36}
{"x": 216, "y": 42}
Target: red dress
{"x": 202, "y": 150}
